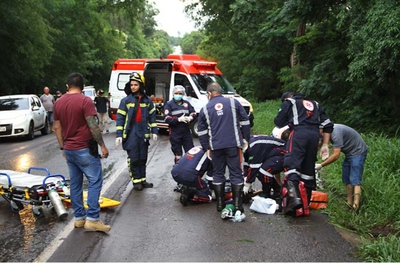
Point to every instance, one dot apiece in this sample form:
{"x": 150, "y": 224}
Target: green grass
{"x": 378, "y": 219}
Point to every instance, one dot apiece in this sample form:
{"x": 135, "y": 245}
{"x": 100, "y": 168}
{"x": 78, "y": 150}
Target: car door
{"x": 38, "y": 112}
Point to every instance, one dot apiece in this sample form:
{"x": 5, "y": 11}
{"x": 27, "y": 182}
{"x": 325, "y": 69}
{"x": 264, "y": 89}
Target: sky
{"x": 172, "y": 17}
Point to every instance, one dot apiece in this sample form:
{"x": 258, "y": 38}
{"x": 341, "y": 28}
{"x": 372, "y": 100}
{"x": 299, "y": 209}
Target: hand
{"x": 182, "y": 118}
{"x": 189, "y": 118}
{"x": 154, "y": 137}
{"x": 209, "y": 154}
{"x": 246, "y": 188}
{"x": 318, "y": 166}
{"x": 118, "y": 141}
{"x": 245, "y": 145}
{"x": 104, "y": 151}
{"x": 324, "y": 152}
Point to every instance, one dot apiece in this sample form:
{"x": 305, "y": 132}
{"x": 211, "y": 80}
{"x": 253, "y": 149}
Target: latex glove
{"x": 189, "y": 118}
{"x": 209, "y": 154}
{"x": 154, "y": 137}
{"x": 245, "y": 145}
{"x": 318, "y": 166}
{"x": 324, "y": 152}
{"x": 182, "y": 118}
{"x": 118, "y": 141}
{"x": 246, "y": 188}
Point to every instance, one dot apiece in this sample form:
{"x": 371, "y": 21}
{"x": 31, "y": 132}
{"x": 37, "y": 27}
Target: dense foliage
{"x": 344, "y": 54}
{"x": 42, "y": 41}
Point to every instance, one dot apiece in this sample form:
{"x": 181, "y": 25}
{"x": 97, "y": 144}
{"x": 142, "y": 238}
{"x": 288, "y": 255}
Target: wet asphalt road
{"x": 152, "y": 225}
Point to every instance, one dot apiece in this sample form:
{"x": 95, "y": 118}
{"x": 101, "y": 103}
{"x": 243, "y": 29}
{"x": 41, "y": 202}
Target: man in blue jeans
{"x": 349, "y": 141}
{"x": 78, "y": 133}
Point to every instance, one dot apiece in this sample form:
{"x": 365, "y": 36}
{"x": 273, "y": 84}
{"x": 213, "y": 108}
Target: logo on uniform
{"x": 166, "y": 112}
{"x": 185, "y": 105}
{"x": 218, "y": 106}
{"x": 308, "y": 105}
{"x": 194, "y": 150}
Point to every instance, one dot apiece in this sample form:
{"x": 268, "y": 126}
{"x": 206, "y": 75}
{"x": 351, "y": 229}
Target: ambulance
{"x": 161, "y": 75}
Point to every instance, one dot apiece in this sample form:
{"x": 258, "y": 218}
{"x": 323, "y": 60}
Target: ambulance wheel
{"x": 194, "y": 129}
{"x": 37, "y": 212}
{"x": 16, "y": 206}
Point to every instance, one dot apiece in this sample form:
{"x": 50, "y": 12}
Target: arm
{"x": 152, "y": 118}
{"x": 58, "y": 131}
{"x": 281, "y": 118}
{"x": 203, "y": 131}
{"x": 335, "y": 155}
{"x": 243, "y": 120}
{"x": 93, "y": 123}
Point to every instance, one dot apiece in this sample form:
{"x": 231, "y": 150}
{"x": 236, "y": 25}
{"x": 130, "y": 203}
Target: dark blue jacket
{"x": 173, "y": 111}
{"x": 223, "y": 123}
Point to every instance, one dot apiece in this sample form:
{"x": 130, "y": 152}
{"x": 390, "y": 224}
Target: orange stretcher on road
{"x": 50, "y": 191}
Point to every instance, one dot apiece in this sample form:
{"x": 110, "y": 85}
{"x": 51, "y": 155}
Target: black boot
{"x": 237, "y": 196}
{"x": 293, "y": 200}
{"x": 220, "y": 196}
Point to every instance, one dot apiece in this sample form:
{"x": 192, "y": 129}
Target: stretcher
{"x": 50, "y": 191}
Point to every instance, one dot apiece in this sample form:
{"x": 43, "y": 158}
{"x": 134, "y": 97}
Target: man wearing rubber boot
{"x": 264, "y": 160}
{"x": 189, "y": 171}
{"x": 224, "y": 129}
{"x": 304, "y": 117}
{"x": 136, "y": 123}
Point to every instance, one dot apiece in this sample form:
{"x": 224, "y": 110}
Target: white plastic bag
{"x": 264, "y": 205}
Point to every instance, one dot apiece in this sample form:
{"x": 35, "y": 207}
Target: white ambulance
{"x": 161, "y": 75}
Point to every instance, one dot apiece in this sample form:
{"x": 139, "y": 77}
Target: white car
{"x": 22, "y": 115}
{"x": 89, "y": 91}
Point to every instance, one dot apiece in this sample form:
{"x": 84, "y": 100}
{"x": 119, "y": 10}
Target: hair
{"x": 75, "y": 80}
{"x": 214, "y": 87}
{"x": 285, "y": 135}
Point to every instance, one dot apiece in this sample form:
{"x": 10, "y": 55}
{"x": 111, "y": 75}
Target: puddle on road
{"x": 23, "y": 237}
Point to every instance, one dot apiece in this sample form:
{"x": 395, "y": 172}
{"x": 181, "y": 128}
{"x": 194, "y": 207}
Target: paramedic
{"x": 224, "y": 129}
{"x": 48, "y": 103}
{"x": 349, "y": 141}
{"x": 136, "y": 122}
{"x": 189, "y": 171}
{"x": 178, "y": 114}
{"x": 264, "y": 160}
{"x": 304, "y": 118}
{"x": 78, "y": 133}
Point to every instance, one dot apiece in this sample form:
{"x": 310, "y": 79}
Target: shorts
{"x": 50, "y": 117}
{"x": 353, "y": 168}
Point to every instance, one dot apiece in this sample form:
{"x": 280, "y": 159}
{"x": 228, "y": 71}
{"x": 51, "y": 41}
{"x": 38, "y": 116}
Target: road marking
{"x": 58, "y": 240}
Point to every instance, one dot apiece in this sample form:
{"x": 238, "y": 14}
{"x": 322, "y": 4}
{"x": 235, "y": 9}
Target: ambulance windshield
{"x": 202, "y": 80}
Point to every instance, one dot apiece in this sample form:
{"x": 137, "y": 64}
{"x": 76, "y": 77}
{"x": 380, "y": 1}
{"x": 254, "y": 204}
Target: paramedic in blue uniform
{"x": 135, "y": 124}
{"x": 264, "y": 160}
{"x": 189, "y": 171}
{"x": 178, "y": 114}
{"x": 305, "y": 117}
{"x": 224, "y": 129}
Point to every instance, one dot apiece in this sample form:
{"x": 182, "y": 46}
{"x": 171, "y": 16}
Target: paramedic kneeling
{"x": 189, "y": 171}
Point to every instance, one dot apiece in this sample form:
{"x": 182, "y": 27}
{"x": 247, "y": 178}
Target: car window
{"x": 14, "y": 104}
{"x": 38, "y": 102}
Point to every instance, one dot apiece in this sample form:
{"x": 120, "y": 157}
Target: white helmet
{"x": 277, "y": 132}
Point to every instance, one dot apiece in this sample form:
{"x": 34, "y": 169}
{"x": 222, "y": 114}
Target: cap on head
{"x": 179, "y": 88}
{"x": 136, "y": 76}
{"x": 58, "y": 92}
{"x": 101, "y": 92}
{"x": 287, "y": 94}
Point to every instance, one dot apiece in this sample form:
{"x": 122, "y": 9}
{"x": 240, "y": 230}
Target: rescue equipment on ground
{"x": 319, "y": 200}
{"x": 50, "y": 191}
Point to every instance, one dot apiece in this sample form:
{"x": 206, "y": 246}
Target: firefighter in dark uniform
{"x": 264, "y": 160}
{"x": 135, "y": 124}
{"x": 305, "y": 117}
{"x": 224, "y": 129}
{"x": 189, "y": 171}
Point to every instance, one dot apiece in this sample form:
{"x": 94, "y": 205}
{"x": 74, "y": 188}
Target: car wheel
{"x": 46, "y": 129}
{"x": 194, "y": 129}
{"x": 31, "y": 134}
